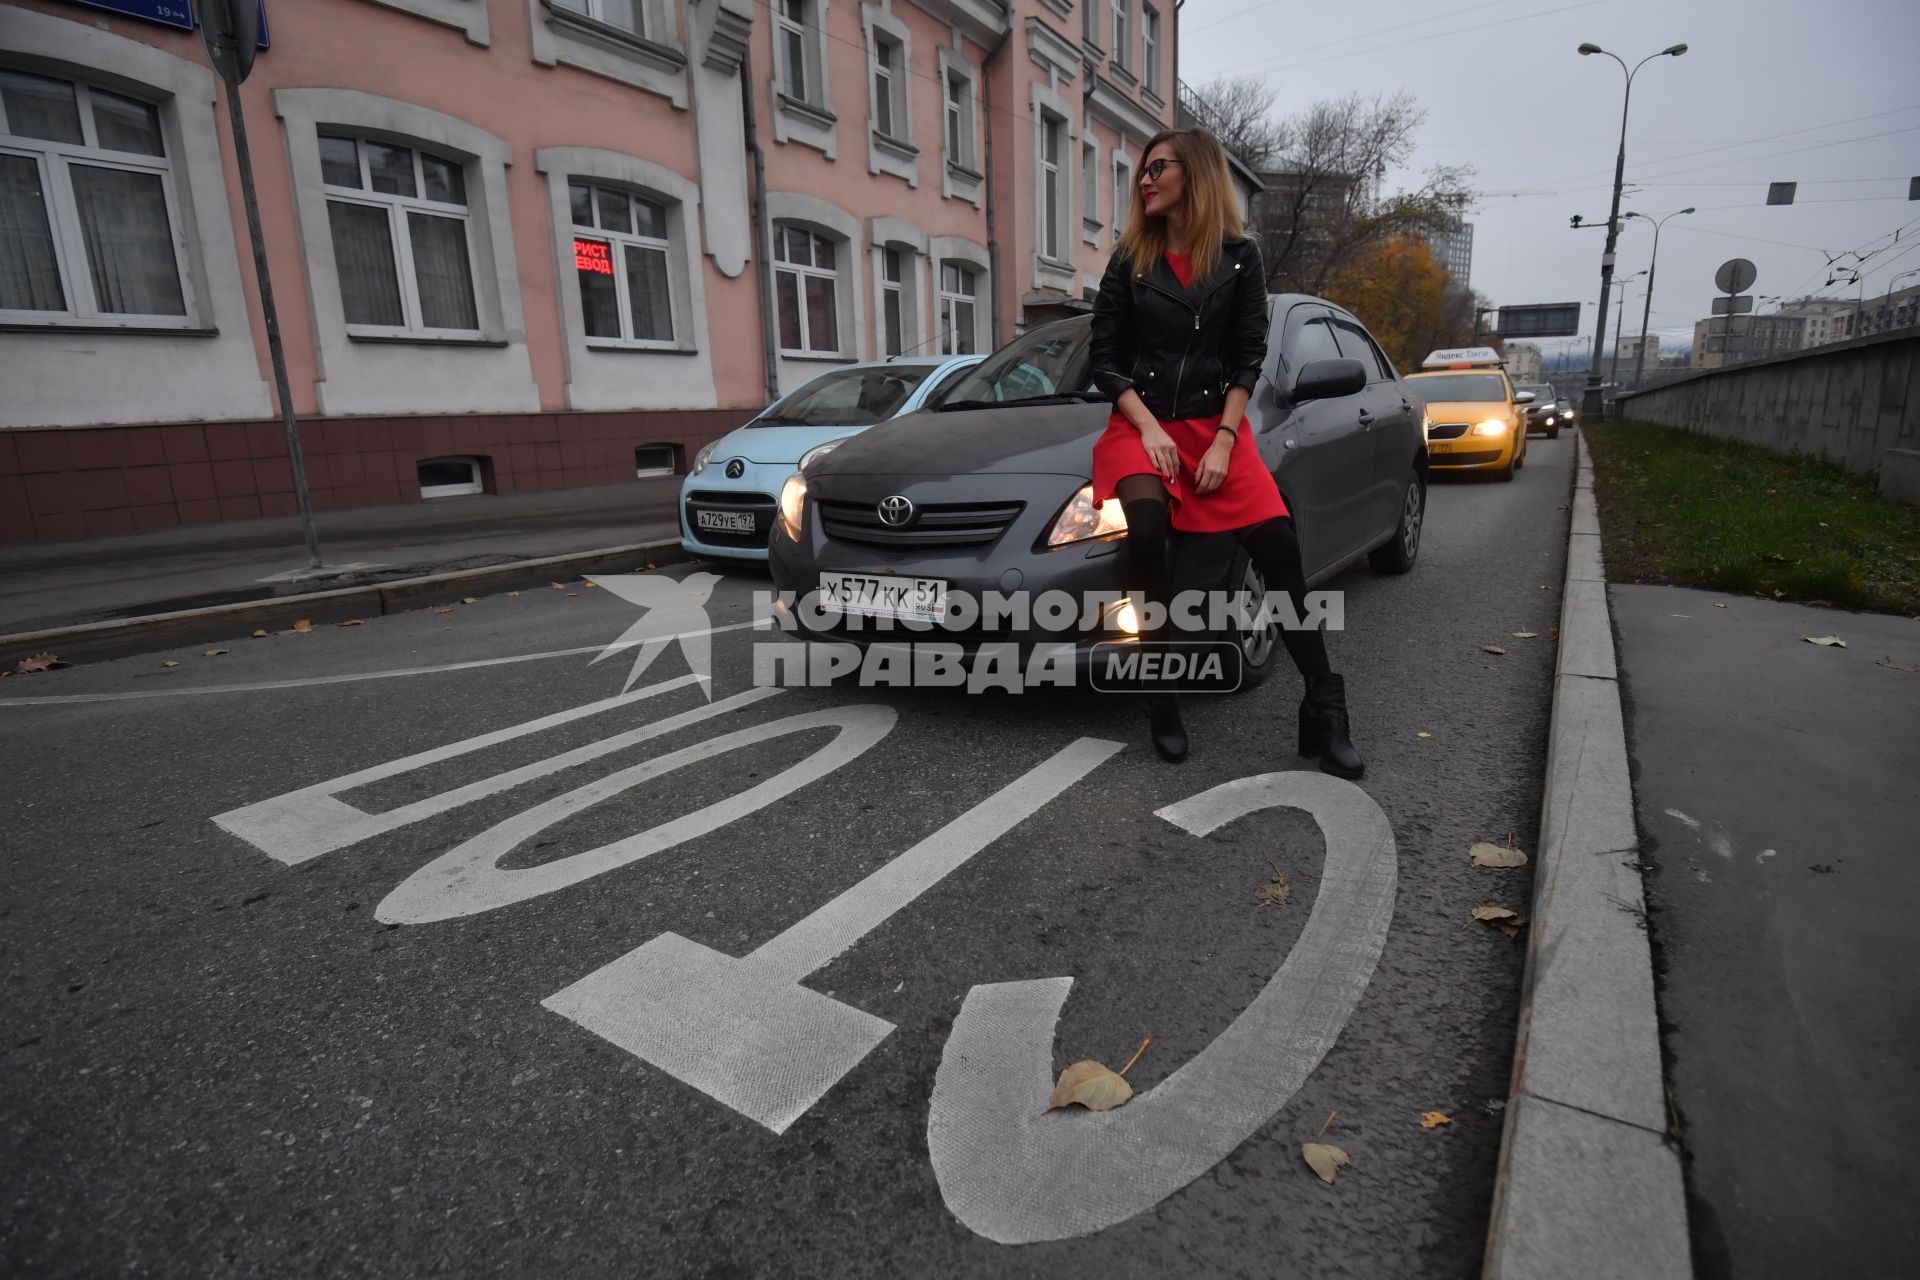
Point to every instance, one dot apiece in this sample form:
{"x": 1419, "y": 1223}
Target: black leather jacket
{"x": 1181, "y": 348}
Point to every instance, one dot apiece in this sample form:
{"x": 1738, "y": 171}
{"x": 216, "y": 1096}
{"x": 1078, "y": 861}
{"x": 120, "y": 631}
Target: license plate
{"x": 728, "y": 521}
{"x": 1439, "y": 446}
{"x": 883, "y": 596}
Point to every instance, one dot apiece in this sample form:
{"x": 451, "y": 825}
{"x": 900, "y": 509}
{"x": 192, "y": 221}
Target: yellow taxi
{"x": 1474, "y": 419}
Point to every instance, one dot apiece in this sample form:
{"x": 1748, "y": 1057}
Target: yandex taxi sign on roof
{"x": 1462, "y": 358}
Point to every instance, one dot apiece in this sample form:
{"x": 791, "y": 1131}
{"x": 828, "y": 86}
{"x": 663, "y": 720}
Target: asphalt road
{"x": 219, "y": 1063}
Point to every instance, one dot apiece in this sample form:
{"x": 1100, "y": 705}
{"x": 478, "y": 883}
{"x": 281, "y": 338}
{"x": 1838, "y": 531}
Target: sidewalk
{"x": 44, "y": 585}
{"x": 1777, "y": 788}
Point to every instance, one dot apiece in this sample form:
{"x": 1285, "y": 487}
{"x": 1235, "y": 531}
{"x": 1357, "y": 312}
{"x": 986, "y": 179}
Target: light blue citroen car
{"x": 728, "y": 500}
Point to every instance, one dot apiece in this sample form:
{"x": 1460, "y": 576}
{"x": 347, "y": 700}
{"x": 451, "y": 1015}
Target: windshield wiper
{"x": 777, "y": 421}
{"x": 1059, "y": 397}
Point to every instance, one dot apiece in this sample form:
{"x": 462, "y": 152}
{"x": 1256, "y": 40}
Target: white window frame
{"x": 1047, "y": 103}
{"x": 653, "y": 58}
{"x": 671, "y": 469}
{"x": 961, "y": 177}
{"x": 54, "y": 162}
{"x": 896, "y": 235}
{"x": 475, "y": 485}
{"x": 887, "y": 100}
{"x": 1089, "y": 188}
{"x": 604, "y": 374}
{"x": 851, "y": 299}
{"x": 468, "y": 16}
{"x": 1150, "y": 51}
{"x": 895, "y": 280}
{"x": 1090, "y": 11}
{"x": 890, "y": 60}
{"x": 952, "y": 333}
{"x": 399, "y": 209}
{"x": 808, "y": 117}
{"x": 1052, "y": 189}
{"x": 370, "y": 372}
{"x": 958, "y": 251}
{"x": 801, "y": 273}
{"x": 627, "y": 241}
{"x": 1121, "y": 28}
{"x": 1122, "y": 191}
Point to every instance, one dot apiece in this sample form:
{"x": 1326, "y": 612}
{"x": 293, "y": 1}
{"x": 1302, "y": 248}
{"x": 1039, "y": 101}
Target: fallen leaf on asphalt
{"x": 1326, "y": 1159}
{"x": 169, "y": 663}
{"x": 512, "y": 594}
{"x": 1434, "y": 1119}
{"x": 213, "y": 653}
{"x": 260, "y": 635}
{"x": 558, "y": 586}
{"x": 1718, "y": 605}
{"x": 1507, "y": 922}
{"x": 1525, "y": 635}
{"x": 1491, "y": 648}
{"x": 289, "y": 631}
{"x": 1831, "y": 642}
{"x": 443, "y": 608}
{"x": 38, "y": 662}
{"x": 1276, "y": 893}
{"x": 470, "y": 600}
{"x": 591, "y": 584}
{"x": 350, "y": 622}
{"x": 303, "y": 626}
{"x": 1424, "y": 734}
{"x": 649, "y": 564}
{"x": 1090, "y": 1085}
{"x": 1496, "y": 855}
{"x": 1820, "y": 604}
{"x": 1897, "y": 666}
{"x": 572, "y": 594}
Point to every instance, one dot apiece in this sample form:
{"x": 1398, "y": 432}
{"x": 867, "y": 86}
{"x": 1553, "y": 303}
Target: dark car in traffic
{"x": 991, "y": 491}
{"x": 1544, "y": 413}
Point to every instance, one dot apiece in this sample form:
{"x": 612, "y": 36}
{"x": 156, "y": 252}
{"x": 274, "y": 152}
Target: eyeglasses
{"x": 1153, "y": 171}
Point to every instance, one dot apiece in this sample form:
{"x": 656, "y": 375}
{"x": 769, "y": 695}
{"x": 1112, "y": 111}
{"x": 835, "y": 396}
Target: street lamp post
{"x": 1590, "y": 407}
{"x": 1646, "y": 316}
{"x": 1618, "y": 319}
{"x": 1886, "y": 304}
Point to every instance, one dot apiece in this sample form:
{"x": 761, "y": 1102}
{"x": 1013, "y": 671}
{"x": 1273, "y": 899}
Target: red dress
{"x": 1247, "y": 495}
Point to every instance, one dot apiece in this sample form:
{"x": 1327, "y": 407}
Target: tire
{"x": 1258, "y": 646}
{"x": 1520, "y": 457}
{"x": 1398, "y": 553}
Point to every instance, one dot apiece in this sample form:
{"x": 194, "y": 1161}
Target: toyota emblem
{"x": 735, "y": 468}
{"x": 895, "y": 511}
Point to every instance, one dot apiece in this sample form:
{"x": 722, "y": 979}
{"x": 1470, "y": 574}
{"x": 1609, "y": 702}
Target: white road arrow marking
{"x": 744, "y": 1031}
{"x": 1017, "y": 1174}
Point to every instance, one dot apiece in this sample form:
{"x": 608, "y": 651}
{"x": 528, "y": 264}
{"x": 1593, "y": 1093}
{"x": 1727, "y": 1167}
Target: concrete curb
{"x": 124, "y": 636}
{"x": 1588, "y": 1186}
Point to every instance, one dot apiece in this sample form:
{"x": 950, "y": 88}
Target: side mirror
{"x": 1329, "y": 380}
{"x": 1523, "y": 397}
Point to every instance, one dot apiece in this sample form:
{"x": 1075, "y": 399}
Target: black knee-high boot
{"x": 1150, "y": 573}
{"x": 1325, "y": 730}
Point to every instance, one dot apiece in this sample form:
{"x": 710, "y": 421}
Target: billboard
{"x": 1540, "y": 320}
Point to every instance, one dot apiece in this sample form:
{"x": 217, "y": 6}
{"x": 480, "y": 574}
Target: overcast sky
{"x": 1822, "y": 92}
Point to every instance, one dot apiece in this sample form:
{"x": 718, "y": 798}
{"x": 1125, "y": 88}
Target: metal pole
{"x": 1619, "y": 317}
{"x": 762, "y": 241}
{"x": 1646, "y": 315}
{"x": 1592, "y": 407}
{"x": 243, "y": 160}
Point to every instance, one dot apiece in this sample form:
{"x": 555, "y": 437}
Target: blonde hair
{"x": 1213, "y": 213}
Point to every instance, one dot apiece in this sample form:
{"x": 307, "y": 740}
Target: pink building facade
{"x": 520, "y": 244}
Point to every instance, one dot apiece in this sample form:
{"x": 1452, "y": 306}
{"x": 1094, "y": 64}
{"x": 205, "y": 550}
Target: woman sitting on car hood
{"x": 1179, "y": 335}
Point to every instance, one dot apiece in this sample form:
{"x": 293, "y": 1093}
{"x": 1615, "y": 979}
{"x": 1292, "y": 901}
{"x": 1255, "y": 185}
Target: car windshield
{"x": 846, "y": 398}
{"x": 1543, "y": 394}
{"x": 1052, "y": 362}
{"x": 1448, "y": 387}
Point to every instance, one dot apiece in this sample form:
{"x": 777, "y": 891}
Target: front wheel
{"x": 1398, "y": 553}
{"x": 1259, "y": 643}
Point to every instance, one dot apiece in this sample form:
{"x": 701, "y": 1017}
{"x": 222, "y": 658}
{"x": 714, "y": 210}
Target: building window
{"x": 628, "y": 15}
{"x": 806, "y": 280}
{"x": 1150, "y": 48}
{"x": 959, "y": 120}
{"x": 449, "y": 477}
{"x": 398, "y": 218}
{"x": 1090, "y": 21}
{"x": 1122, "y": 195}
{"x": 889, "y": 87}
{"x": 893, "y": 300}
{"x": 1089, "y": 185}
{"x": 620, "y": 252}
{"x": 792, "y": 19}
{"x": 656, "y": 460}
{"x": 1120, "y": 33}
{"x": 959, "y": 299}
{"x": 87, "y": 226}
{"x": 1051, "y": 130}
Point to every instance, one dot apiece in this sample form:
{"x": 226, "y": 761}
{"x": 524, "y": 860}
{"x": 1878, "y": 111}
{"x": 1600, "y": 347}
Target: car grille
{"x": 937, "y": 524}
{"x": 1469, "y": 458}
{"x": 1446, "y": 430}
{"x": 760, "y": 505}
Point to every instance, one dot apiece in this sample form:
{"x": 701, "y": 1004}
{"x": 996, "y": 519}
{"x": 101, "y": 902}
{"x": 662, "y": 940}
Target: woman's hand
{"x": 1213, "y": 467}
{"x": 1160, "y": 450}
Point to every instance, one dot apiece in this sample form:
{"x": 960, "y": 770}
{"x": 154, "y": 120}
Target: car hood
{"x": 776, "y": 445}
{"x": 1468, "y": 410}
{"x": 1052, "y": 439}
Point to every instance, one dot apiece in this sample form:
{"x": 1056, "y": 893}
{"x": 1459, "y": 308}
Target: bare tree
{"x": 1324, "y": 202}
{"x": 1239, "y": 111}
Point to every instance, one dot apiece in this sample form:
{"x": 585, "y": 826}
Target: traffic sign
{"x": 1739, "y": 324}
{"x": 1736, "y": 275}
{"x": 1734, "y": 304}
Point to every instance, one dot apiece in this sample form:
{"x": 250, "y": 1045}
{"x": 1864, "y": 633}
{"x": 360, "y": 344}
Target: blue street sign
{"x": 168, "y": 13}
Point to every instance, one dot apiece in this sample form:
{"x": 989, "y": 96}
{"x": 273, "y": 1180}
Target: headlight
{"x": 819, "y": 451}
{"x": 793, "y": 504}
{"x": 1491, "y": 427}
{"x": 702, "y": 458}
{"x": 1081, "y": 520}
{"x": 1549, "y": 419}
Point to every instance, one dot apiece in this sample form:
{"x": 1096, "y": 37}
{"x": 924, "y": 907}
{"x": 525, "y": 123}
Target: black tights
{"x": 1271, "y": 544}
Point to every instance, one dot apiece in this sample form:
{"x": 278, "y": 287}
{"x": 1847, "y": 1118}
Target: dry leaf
{"x": 1278, "y": 893}
{"x": 303, "y": 626}
{"x": 1423, "y": 734}
{"x": 572, "y": 594}
{"x": 1897, "y": 666}
{"x": 1718, "y": 605}
{"x": 591, "y": 584}
{"x": 470, "y": 600}
{"x": 558, "y": 586}
{"x": 287, "y": 632}
{"x": 1491, "y": 648}
{"x": 443, "y": 608}
{"x": 512, "y": 594}
{"x": 260, "y": 635}
{"x": 169, "y": 663}
{"x": 1525, "y": 635}
{"x": 350, "y": 622}
{"x": 649, "y": 564}
{"x": 1434, "y": 1119}
{"x": 1507, "y": 922}
{"x": 213, "y": 653}
{"x": 1092, "y": 1086}
{"x": 38, "y": 662}
{"x": 1831, "y": 642}
{"x": 1327, "y": 1160}
{"x": 1496, "y": 855}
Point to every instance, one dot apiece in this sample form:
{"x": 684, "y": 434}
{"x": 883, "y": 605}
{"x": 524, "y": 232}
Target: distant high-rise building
{"x": 1453, "y": 250}
{"x": 1864, "y": 318}
{"x": 1826, "y": 318}
{"x": 1630, "y": 351}
{"x": 1522, "y": 360}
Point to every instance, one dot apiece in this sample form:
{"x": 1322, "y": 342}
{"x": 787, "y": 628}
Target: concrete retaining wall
{"x": 1850, "y": 402}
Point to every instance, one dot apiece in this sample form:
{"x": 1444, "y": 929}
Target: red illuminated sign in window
{"x": 592, "y": 255}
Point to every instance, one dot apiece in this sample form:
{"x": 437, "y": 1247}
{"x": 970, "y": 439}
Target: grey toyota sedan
{"x": 990, "y": 492}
